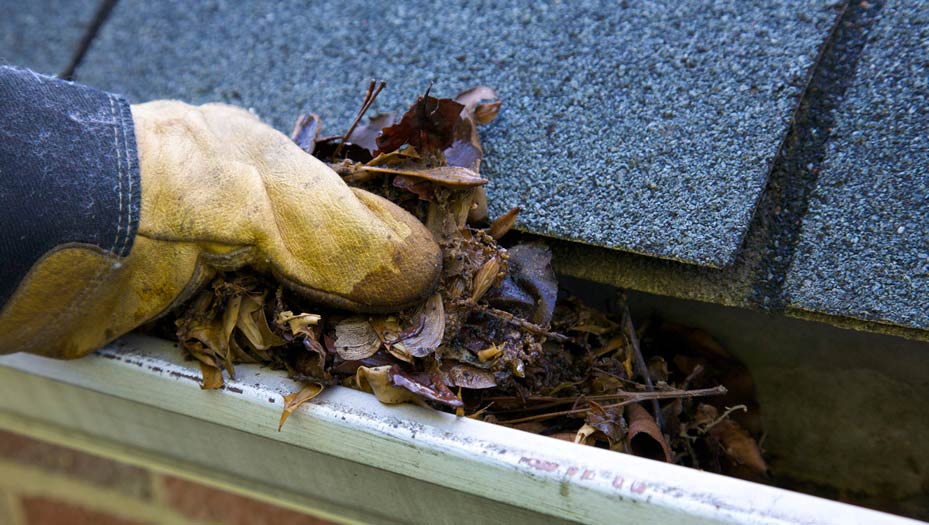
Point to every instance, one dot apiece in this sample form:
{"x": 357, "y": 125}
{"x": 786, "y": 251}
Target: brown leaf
{"x": 355, "y": 339}
{"x": 484, "y": 278}
{"x": 365, "y": 135}
{"x": 253, "y": 323}
{"x": 608, "y": 422}
{"x": 212, "y": 377}
{"x": 377, "y": 381}
{"x": 292, "y": 401}
{"x": 504, "y": 223}
{"x": 740, "y": 447}
{"x": 471, "y": 98}
{"x": 467, "y": 376}
{"x": 429, "y": 386}
{"x": 427, "y": 126}
{"x": 423, "y": 189}
{"x": 297, "y": 323}
{"x": 486, "y": 113}
{"x": 644, "y": 439}
{"x": 453, "y": 176}
{"x": 431, "y": 317}
{"x": 530, "y": 288}
{"x": 489, "y": 353}
{"x": 306, "y": 130}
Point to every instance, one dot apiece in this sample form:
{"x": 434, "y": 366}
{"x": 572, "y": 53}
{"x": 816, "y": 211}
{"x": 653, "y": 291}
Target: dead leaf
{"x": 253, "y": 323}
{"x": 376, "y": 380}
{"x": 306, "y": 130}
{"x": 468, "y": 376}
{"x": 429, "y": 386}
{"x": 484, "y": 278}
{"x": 355, "y": 339}
{"x": 504, "y": 223}
{"x": 297, "y": 322}
{"x": 486, "y": 113}
{"x": 644, "y": 439}
{"x": 292, "y": 401}
{"x": 431, "y": 318}
{"x": 530, "y": 288}
{"x": 454, "y": 176}
{"x": 471, "y": 98}
{"x": 427, "y": 126}
{"x": 212, "y": 377}
{"x": 365, "y": 135}
{"x": 583, "y": 435}
{"x": 489, "y": 353}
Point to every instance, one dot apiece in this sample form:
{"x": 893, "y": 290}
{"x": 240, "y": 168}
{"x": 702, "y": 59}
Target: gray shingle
{"x": 43, "y": 34}
{"x": 642, "y": 126}
{"x": 864, "y": 250}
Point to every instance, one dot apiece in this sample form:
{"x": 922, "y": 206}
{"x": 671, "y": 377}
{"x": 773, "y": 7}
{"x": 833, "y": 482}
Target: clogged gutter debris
{"x": 498, "y": 341}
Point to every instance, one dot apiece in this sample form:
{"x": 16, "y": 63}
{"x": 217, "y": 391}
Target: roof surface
{"x": 647, "y": 127}
{"x": 758, "y": 154}
{"x": 43, "y": 34}
{"x": 864, "y": 246}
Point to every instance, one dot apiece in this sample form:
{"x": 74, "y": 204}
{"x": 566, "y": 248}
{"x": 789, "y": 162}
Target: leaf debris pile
{"x": 497, "y": 341}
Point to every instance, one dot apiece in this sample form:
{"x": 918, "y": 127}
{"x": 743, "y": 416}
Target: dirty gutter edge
{"x": 525, "y": 470}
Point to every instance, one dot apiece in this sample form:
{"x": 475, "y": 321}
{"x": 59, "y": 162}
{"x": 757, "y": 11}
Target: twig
{"x": 724, "y": 416}
{"x": 638, "y": 396}
{"x": 522, "y": 323}
{"x": 640, "y": 361}
{"x": 371, "y": 94}
{"x": 644, "y": 396}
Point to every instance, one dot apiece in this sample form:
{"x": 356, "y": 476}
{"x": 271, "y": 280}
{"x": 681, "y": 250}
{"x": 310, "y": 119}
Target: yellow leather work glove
{"x": 221, "y": 190}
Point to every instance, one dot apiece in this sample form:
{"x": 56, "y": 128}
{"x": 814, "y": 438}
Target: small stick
{"x": 644, "y": 396}
{"x": 522, "y": 323}
{"x": 639, "y": 360}
{"x": 638, "y": 396}
{"x": 371, "y": 94}
{"x": 724, "y": 416}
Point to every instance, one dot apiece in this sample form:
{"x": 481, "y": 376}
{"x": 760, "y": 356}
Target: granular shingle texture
{"x": 642, "y": 126}
{"x": 43, "y": 34}
{"x": 864, "y": 247}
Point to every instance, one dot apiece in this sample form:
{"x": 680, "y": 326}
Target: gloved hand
{"x": 221, "y": 190}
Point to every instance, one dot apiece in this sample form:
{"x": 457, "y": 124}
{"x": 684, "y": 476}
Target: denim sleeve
{"x": 69, "y": 172}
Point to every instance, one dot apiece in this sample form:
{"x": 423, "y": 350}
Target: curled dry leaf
{"x": 471, "y": 98}
{"x": 356, "y": 339}
{"x": 584, "y": 435}
{"x": 504, "y": 223}
{"x": 292, "y": 401}
{"x": 530, "y": 287}
{"x": 297, "y": 322}
{"x": 740, "y": 448}
{"x": 644, "y": 438}
{"x": 365, "y": 135}
{"x": 253, "y": 323}
{"x": 427, "y": 126}
{"x": 489, "y": 353}
{"x": 429, "y": 386}
{"x": 609, "y": 423}
{"x": 376, "y": 380}
{"x": 425, "y": 340}
{"x": 454, "y": 176}
{"x": 485, "y": 277}
{"x": 306, "y": 131}
{"x": 212, "y": 377}
{"x": 468, "y": 376}
{"x": 486, "y": 113}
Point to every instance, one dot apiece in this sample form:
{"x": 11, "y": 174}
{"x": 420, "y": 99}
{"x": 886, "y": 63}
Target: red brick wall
{"x": 46, "y": 484}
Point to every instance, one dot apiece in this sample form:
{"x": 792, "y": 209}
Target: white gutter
{"x": 348, "y": 457}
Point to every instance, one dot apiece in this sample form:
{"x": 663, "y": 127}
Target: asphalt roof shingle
{"x": 42, "y": 35}
{"x": 864, "y": 246}
{"x": 641, "y": 126}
